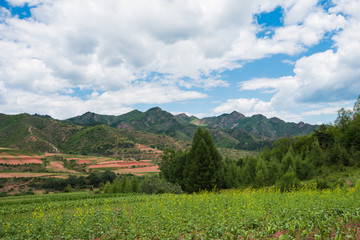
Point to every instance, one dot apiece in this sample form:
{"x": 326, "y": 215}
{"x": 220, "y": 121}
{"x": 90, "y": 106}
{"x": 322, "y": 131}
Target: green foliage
{"x": 289, "y": 180}
{"x": 68, "y": 188}
{"x": 197, "y": 169}
{"x": 343, "y": 119}
{"x": 156, "y": 185}
{"x": 172, "y": 165}
{"x": 231, "y": 174}
{"x": 261, "y": 173}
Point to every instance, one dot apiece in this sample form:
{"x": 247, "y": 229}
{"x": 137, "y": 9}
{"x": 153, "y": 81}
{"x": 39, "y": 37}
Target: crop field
{"x": 232, "y": 214}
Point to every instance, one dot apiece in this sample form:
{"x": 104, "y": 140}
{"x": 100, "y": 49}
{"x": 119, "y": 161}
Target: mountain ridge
{"x": 155, "y": 120}
{"x": 105, "y": 134}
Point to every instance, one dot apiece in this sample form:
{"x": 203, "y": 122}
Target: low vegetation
{"x": 264, "y": 213}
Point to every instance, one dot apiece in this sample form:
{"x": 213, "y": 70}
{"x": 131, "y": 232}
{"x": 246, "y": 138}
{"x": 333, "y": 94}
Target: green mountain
{"x": 106, "y": 134}
{"x": 232, "y": 130}
{"x": 154, "y": 120}
{"x": 44, "y": 134}
{"x": 34, "y": 132}
{"x": 259, "y": 125}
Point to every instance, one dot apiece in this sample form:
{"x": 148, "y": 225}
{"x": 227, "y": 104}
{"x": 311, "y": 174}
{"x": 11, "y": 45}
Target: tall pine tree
{"x": 199, "y": 168}
{"x": 203, "y": 164}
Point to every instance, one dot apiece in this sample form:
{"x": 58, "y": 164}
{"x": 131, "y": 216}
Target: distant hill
{"x": 44, "y": 134}
{"x": 34, "y": 132}
{"x": 232, "y": 130}
{"x": 257, "y": 124}
{"x": 93, "y": 133}
{"x": 154, "y": 120}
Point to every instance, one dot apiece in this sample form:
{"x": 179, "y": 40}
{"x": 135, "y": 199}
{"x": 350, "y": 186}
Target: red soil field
{"x": 59, "y": 167}
{"x": 146, "y": 149}
{"x": 82, "y": 161}
{"x": 50, "y": 154}
{"x": 23, "y": 175}
{"x": 18, "y": 159}
{"x": 118, "y": 164}
{"x": 139, "y": 170}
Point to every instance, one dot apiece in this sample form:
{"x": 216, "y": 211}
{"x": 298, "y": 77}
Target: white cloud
{"x": 4, "y": 14}
{"x": 20, "y": 3}
{"x": 245, "y": 106}
{"x": 110, "y": 102}
{"x": 116, "y": 47}
{"x": 322, "y": 82}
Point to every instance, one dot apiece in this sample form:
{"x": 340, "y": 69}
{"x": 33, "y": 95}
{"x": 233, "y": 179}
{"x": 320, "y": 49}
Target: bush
{"x": 156, "y": 185}
{"x": 3, "y": 194}
{"x": 68, "y": 188}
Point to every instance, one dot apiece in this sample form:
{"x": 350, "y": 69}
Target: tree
{"x": 203, "y": 164}
{"x": 172, "y": 165}
{"x": 261, "y": 173}
{"x": 289, "y": 180}
{"x": 274, "y": 170}
{"x": 248, "y": 171}
{"x": 107, "y": 187}
{"x": 356, "y": 108}
{"x": 199, "y": 168}
{"x": 316, "y": 155}
{"x": 343, "y": 119}
{"x": 230, "y": 174}
{"x": 287, "y": 161}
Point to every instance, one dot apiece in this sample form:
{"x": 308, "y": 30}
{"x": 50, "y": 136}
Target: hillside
{"x": 40, "y": 134}
{"x": 34, "y": 133}
{"x": 257, "y": 124}
{"x": 229, "y": 130}
{"x": 109, "y": 135}
{"x": 154, "y": 120}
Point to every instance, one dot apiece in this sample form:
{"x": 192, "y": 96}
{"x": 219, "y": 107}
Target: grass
{"x": 235, "y": 153}
{"x": 232, "y": 214}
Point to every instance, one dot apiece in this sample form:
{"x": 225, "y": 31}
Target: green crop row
{"x": 233, "y": 214}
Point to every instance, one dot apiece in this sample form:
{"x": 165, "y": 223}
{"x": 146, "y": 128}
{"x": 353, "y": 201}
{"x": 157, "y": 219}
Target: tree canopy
{"x": 198, "y": 168}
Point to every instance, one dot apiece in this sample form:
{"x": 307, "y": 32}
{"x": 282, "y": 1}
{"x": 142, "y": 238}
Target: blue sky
{"x": 296, "y": 60}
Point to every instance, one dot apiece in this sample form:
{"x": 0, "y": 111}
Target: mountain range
{"x": 93, "y": 133}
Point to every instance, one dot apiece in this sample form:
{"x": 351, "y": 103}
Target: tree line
{"x": 331, "y": 148}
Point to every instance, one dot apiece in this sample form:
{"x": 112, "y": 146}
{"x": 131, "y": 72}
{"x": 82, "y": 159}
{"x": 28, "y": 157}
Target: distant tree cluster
{"x": 134, "y": 184}
{"x": 108, "y": 182}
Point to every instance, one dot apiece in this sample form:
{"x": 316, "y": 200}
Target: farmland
{"x": 232, "y": 214}
{"x": 19, "y": 168}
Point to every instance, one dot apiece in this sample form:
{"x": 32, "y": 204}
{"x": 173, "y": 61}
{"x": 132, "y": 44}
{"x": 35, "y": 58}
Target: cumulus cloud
{"x": 243, "y": 105}
{"x": 4, "y": 14}
{"x": 322, "y": 82}
{"x": 116, "y": 47}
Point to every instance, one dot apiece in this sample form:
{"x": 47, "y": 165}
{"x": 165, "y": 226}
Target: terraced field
{"x": 16, "y": 164}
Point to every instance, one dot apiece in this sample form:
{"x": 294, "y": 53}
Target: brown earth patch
{"x": 27, "y": 175}
{"x": 148, "y": 149}
{"x": 83, "y": 161}
{"x": 59, "y": 167}
{"x": 118, "y": 164}
{"x": 50, "y": 154}
{"x": 18, "y": 159}
{"x": 139, "y": 170}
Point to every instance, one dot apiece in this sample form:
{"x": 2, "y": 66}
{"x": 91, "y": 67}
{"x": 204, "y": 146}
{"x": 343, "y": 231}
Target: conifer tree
{"x": 261, "y": 173}
{"x": 107, "y": 188}
{"x": 203, "y": 164}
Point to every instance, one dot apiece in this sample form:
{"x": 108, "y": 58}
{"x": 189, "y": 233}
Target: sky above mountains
{"x": 294, "y": 59}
